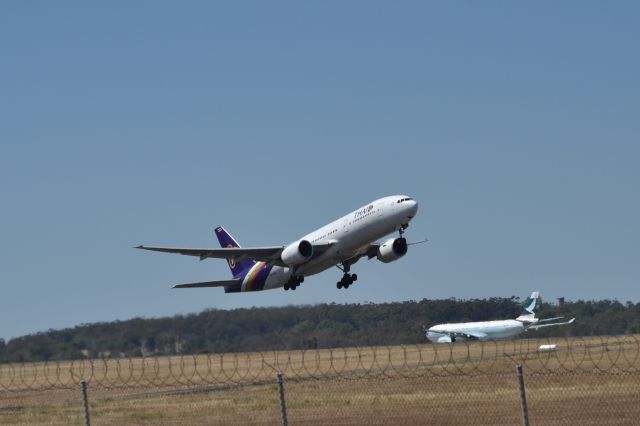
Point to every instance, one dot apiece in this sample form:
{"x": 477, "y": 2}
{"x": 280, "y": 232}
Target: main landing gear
{"x": 347, "y": 278}
{"x": 294, "y": 282}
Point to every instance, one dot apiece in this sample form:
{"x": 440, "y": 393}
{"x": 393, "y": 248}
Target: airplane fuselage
{"x": 487, "y": 330}
{"x": 349, "y": 237}
{"x": 494, "y": 330}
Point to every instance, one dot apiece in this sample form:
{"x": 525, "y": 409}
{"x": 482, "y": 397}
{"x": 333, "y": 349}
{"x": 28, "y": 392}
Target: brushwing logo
{"x": 363, "y": 211}
{"x": 231, "y": 261}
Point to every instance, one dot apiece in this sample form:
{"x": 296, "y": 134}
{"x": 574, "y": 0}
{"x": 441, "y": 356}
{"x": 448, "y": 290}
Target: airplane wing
{"x": 372, "y": 249}
{"x": 255, "y": 253}
{"x": 549, "y": 319}
{"x": 260, "y": 254}
{"x": 319, "y": 249}
{"x": 210, "y": 284}
{"x": 475, "y": 335}
{"x": 537, "y": 326}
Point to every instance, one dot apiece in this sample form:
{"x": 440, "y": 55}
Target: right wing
{"x": 264, "y": 254}
{"x": 372, "y": 250}
{"x": 259, "y": 254}
{"x": 549, "y": 319}
{"x": 535, "y": 326}
{"x": 224, "y": 283}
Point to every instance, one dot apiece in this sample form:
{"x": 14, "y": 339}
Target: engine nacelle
{"x": 392, "y": 249}
{"x": 297, "y": 253}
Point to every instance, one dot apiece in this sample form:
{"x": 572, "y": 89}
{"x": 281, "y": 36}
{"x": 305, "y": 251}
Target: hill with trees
{"x": 301, "y": 327}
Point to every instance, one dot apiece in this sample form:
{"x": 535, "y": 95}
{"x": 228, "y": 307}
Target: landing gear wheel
{"x": 294, "y": 282}
{"x": 347, "y": 280}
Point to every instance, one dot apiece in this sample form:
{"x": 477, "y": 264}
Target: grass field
{"x": 586, "y": 381}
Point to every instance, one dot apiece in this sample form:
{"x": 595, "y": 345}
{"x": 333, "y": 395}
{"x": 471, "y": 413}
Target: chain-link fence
{"x": 581, "y": 381}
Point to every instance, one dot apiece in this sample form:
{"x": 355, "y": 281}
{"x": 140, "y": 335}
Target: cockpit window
{"x": 402, "y": 200}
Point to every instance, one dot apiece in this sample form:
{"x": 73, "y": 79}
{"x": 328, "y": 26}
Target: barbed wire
{"x": 610, "y": 354}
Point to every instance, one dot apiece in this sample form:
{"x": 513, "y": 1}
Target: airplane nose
{"x": 412, "y": 208}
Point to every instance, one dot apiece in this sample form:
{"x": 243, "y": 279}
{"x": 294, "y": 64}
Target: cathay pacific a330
{"x": 341, "y": 243}
{"x": 494, "y": 330}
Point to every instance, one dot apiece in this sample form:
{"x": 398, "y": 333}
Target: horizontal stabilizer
{"x": 223, "y": 283}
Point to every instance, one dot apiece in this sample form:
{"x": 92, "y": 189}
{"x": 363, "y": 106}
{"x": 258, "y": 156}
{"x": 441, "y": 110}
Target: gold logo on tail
{"x": 231, "y": 262}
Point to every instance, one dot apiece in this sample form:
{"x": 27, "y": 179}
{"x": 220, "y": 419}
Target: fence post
{"x": 283, "y": 406}
{"x": 85, "y": 402}
{"x": 523, "y": 396}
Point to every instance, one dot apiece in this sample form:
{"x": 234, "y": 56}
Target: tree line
{"x": 303, "y": 327}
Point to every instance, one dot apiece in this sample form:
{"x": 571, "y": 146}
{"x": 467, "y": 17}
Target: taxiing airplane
{"x": 493, "y": 330}
{"x": 341, "y": 243}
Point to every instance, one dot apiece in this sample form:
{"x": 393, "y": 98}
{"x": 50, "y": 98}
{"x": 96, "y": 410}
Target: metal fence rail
{"x": 611, "y": 354}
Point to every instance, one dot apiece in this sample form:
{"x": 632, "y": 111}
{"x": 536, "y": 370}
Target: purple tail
{"x": 226, "y": 240}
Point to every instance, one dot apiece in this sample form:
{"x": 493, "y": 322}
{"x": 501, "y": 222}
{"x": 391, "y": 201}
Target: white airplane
{"x": 493, "y": 330}
{"x": 341, "y": 243}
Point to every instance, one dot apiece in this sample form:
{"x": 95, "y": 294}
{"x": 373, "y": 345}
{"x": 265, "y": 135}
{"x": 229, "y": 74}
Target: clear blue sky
{"x": 515, "y": 126}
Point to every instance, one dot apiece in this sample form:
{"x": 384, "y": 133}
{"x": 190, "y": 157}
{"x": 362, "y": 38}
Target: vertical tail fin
{"x": 529, "y": 307}
{"x": 226, "y": 240}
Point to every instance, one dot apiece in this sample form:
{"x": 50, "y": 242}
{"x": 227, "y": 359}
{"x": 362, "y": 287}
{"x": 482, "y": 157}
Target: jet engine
{"x": 297, "y": 253}
{"x": 392, "y": 249}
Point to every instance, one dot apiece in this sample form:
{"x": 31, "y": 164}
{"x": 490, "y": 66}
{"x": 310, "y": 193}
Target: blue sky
{"x": 515, "y": 126}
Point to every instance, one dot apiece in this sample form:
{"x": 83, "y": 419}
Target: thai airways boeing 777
{"x": 493, "y": 330}
{"x": 341, "y": 243}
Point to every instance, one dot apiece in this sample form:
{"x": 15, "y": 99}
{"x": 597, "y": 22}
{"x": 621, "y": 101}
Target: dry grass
{"x": 588, "y": 381}
{"x": 620, "y": 353}
{"x": 573, "y": 399}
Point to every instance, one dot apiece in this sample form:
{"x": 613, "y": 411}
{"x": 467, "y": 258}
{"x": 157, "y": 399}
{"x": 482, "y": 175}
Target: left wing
{"x": 475, "y": 335}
